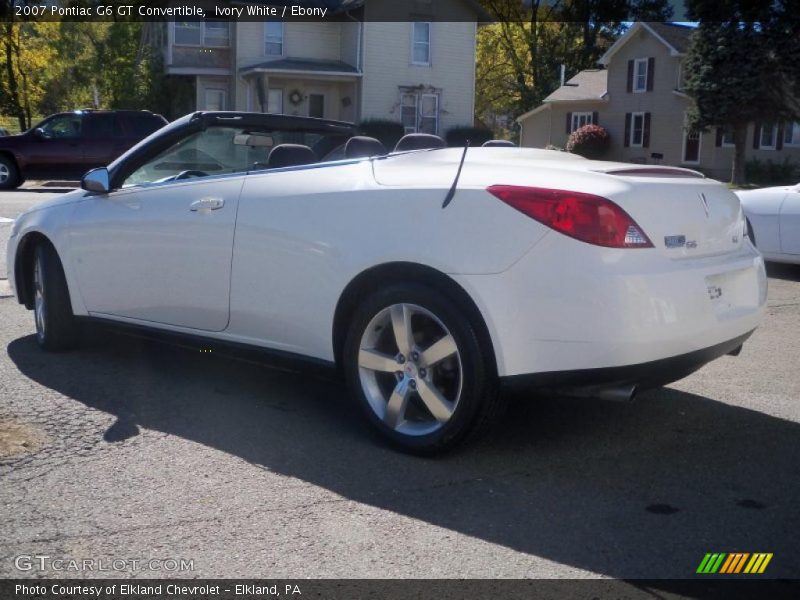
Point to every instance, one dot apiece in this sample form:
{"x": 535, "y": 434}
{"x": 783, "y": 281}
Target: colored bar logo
{"x": 734, "y": 563}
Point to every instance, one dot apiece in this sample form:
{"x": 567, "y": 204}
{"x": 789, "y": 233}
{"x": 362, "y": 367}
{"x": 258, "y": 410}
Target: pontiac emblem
{"x": 705, "y": 203}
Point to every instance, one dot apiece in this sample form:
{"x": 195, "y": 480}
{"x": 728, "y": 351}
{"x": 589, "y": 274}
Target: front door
{"x": 160, "y": 254}
{"x": 159, "y": 248}
{"x": 56, "y": 147}
{"x": 691, "y": 146}
{"x": 316, "y": 106}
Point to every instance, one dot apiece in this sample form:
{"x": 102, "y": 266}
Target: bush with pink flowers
{"x": 590, "y": 141}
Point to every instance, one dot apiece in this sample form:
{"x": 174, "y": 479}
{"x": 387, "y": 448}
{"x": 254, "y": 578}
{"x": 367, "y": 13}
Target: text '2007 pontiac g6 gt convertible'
{"x": 428, "y": 276}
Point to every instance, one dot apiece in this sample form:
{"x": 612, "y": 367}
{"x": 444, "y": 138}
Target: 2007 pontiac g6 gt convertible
{"x": 429, "y": 276}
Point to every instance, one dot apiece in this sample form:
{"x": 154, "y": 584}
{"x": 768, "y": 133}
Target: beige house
{"x": 421, "y": 73}
{"x": 637, "y": 96}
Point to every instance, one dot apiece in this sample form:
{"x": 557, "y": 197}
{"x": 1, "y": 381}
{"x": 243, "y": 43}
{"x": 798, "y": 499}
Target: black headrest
{"x": 362, "y": 147}
{"x": 419, "y": 141}
{"x": 498, "y": 143}
{"x": 290, "y": 155}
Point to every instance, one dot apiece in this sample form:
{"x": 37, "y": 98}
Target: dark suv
{"x": 69, "y": 144}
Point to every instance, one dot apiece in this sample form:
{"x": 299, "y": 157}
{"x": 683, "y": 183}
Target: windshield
{"x": 219, "y": 150}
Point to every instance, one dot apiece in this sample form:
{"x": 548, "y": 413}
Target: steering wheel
{"x": 188, "y": 174}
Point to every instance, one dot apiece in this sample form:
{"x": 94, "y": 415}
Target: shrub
{"x": 388, "y": 132}
{"x": 589, "y": 141}
{"x": 770, "y": 173}
{"x": 458, "y": 136}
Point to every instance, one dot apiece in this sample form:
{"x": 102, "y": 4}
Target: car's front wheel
{"x": 9, "y": 174}
{"x": 414, "y": 362}
{"x": 56, "y": 329}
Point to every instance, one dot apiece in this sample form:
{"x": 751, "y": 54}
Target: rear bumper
{"x": 569, "y": 307}
{"x": 640, "y": 376}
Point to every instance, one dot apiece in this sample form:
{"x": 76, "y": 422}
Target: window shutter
{"x": 594, "y": 118}
{"x": 779, "y": 141}
{"x": 757, "y": 136}
{"x": 627, "y": 129}
{"x": 720, "y": 133}
{"x": 569, "y": 123}
{"x": 646, "y": 131}
{"x": 651, "y": 69}
{"x": 630, "y": 76}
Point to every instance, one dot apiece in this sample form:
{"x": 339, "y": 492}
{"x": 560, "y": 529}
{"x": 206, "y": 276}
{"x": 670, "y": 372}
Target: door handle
{"x": 207, "y": 204}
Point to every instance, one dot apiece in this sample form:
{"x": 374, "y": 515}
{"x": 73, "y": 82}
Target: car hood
{"x": 10, "y": 140}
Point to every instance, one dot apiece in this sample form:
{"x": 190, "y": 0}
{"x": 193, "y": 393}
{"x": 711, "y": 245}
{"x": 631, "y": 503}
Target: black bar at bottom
{"x": 712, "y": 587}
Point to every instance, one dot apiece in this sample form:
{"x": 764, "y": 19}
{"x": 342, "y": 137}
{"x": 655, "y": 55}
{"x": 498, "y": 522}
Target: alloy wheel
{"x": 410, "y": 369}
{"x": 4, "y": 173}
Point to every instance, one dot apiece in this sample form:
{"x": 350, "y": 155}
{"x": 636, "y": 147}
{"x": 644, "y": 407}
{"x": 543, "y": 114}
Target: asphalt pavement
{"x": 129, "y": 449}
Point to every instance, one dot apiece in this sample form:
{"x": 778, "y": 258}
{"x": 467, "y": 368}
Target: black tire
{"x": 9, "y": 173}
{"x": 478, "y": 407}
{"x": 56, "y": 329}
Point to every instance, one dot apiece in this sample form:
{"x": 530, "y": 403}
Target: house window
{"x": 273, "y": 38}
{"x": 791, "y": 134}
{"x": 769, "y": 136}
{"x": 275, "y": 101}
{"x": 640, "y": 75}
{"x": 680, "y": 82}
{"x": 637, "y": 129}
{"x": 194, "y": 33}
{"x": 421, "y": 44}
{"x": 215, "y": 99}
{"x": 579, "y": 119}
{"x": 216, "y": 33}
{"x": 727, "y": 140}
{"x": 420, "y": 113}
{"x": 188, "y": 33}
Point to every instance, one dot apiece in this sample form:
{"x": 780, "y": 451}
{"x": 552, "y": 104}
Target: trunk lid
{"x": 684, "y": 215}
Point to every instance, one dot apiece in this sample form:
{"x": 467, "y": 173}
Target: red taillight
{"x": 585, "y": 217}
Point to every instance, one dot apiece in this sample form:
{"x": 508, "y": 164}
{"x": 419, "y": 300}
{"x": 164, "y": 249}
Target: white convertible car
{"x": 773, "y": 216}
{"x": 429, "y": 276}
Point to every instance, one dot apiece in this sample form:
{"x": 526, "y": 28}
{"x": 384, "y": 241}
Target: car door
{"x": 158, "y": 250}
{"x": 790, "y": 223}
{"x": 56, "y": 146}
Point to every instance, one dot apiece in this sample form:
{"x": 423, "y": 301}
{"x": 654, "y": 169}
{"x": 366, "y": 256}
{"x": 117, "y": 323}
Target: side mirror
{"x": 97, "y": 181}
{"x": 39, "y": 133}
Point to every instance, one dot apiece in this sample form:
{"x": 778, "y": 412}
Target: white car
{"x": 773, "y": 215}
{"x": 428, "y": 277}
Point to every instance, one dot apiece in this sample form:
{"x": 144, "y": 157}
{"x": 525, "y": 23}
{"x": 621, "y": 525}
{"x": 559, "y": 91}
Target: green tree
{"x": 741, "y": 68}
{"x": 27, "y": 50}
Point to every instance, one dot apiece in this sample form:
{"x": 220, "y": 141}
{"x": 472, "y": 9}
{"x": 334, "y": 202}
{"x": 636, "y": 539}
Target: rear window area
{"x": 142, "y": 125}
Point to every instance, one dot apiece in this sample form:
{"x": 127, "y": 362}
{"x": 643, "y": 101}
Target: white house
{"x": 416, "y": 71}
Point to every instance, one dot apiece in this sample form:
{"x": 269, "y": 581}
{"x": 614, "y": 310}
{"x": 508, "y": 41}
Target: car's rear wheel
{"x": 56, "y": 329}
{"x": 414, "y": 362}
{"x": 9, "y": 174}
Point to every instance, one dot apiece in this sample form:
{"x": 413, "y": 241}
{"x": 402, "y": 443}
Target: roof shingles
{"x": 590, "y": 84}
